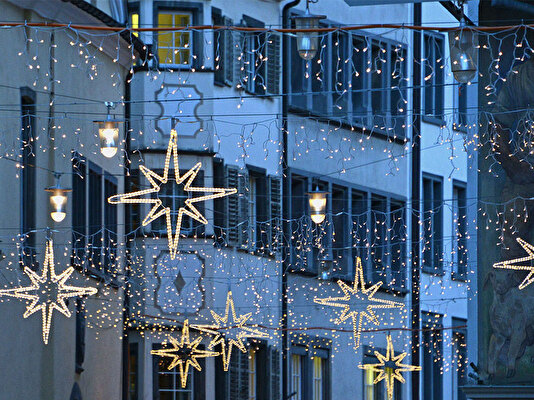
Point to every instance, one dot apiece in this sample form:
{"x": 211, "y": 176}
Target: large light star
{"x": 390, "y": 368}
{"x": 48, "y": 291}
{"x": 521, "y": 264}
{"x": 158, "y": 209}
{"x": 354, "y": 303}
{"x": 230, "y": 330}
{"x": 184, "y": 353}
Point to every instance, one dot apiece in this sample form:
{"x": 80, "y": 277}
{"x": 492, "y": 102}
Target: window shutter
{"x": 275, "y": 205}
{"x": 238, "y": 372}
{"x": 273, "y": 50}
{"x": 238, "y": 58}
{"x": 232, "y": 206}
{"x": 243, "y": 220}
{"x": 228, "y": 52}
{"x": 274, "y": 356}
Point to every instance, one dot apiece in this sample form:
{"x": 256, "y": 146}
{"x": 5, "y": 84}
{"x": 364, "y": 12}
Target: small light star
{"x": 158, "y": 209}
{"x": 360, "y": 296}
{"x": 48, "y": 291}
{"x": 390, "y": 368}
{"x": 230, "y": 330}
{"x": 521, "y": 264}
{"x": 184, "y": 353}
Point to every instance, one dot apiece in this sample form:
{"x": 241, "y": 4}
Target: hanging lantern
{"x": 307, "y": 42}
{"x": 58, "y": 200}
{"x": 463, "y": 43}
{"x": 317, "y": 201}
{"x": 108, "y": 132}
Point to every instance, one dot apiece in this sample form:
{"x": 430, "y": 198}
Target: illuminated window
{"x": 134, "y": 23}
{"x": 252, "y": 375}
{"x": 296, "y": 377}
{"x": 175, "y": 47}
{"x": 378, "y": 391}
{"x": 317, "y": 378}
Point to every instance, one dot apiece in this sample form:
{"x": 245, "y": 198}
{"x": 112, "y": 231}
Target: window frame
{"x": 457, "y": 378}
{"x": 300, "y": 262}
{"x": 196, "y": 9}
{"x": 433, "y": 82}
{"x": 308, "y": 349}
{"x": 436, "y": 245}
{"x": 379, "y": 391}
{"x": 432, "y": 363}
{"x": 459, "y": 230}
{"x": 305, "y": 103}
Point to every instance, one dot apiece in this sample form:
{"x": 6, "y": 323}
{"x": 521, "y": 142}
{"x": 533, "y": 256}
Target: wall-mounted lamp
{"x": 58, "y": 200}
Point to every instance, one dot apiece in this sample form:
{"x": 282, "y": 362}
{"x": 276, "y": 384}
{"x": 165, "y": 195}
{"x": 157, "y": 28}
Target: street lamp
{"x": 463, "y": 52}
{"x": 307, "y": 42}
{"x": 58, "y": 200}
{"x": 317, "y": 201}
{"x": 108, "y": 132}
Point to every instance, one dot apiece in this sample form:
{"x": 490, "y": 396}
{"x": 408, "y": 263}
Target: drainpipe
{"x": 416, "y": 197}
{"x": 285, "y": 198}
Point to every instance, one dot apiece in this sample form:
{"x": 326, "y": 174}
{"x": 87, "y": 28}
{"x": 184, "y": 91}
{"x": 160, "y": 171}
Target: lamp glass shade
{"x": 307, "y": 42}
{"x": 317, "y": 202}
{"x": 463, "y": 47}
{"x": 108, "y": 131}
{"x": 58, "y": 202}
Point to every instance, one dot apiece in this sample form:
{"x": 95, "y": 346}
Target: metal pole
{"x": 285, "y": 195}
{"x": 416, "y": 196}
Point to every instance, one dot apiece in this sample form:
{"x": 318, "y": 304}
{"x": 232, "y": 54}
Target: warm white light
{"x": 109, "y": 138}
{"x": 317, "y": 202}
{"x": 58, "y": 216}
{"x": 58, "y": 201}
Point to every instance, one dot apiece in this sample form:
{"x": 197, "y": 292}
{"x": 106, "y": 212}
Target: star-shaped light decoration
{"x": 48, "y": 291}
{"x": 230, "y": 330}
{"x": 358, "y": 303}
{"x": 184, "y": 353}
{"x": 521, "y": 264}
{"x": 158, "y": 209}
{"x": 389, "y": 368}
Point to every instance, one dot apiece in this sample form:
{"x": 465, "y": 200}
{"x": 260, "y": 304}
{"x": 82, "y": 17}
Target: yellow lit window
{"x": 174, "y": 47}
{"x": 296, "y": 376}
{"x": 317, "y": 378}
{"x": 252, "y": 375}
{"x": 134, "y": 23}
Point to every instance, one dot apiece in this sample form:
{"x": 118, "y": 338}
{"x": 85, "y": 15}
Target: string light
{"x": 48, "y": 292}
{"x": 390, "y": 367}
{"x": 158, "y": 209}
{"x": 515, "y": 264}
{"x": 366, "y": 303}
{"x": 230, "y": 330}
{"x": 184, "y": 353}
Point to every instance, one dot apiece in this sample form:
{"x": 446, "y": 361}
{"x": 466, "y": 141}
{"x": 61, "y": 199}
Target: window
{"x": 258, "y": 211}
{"x": 223, "y": 49}
{"x": 80, "y": 336}
{"x": 134, "y": 22}
{"x": 459, "y": 228}
{"x": 459, "y": 359}
{"x": 310, "y": 373}
{"x": 169, "y": 383}
{"x": 173, "y": 196}
{"x": 318, "y": 385}
{"x": 433, "y": 74}
{"x": 28, "y": 178}
{"x": 133, "y": 371}
{"x": 358, "y": 79}
{"x": 432, "y": 224}
{"x": 252, "y": 375}
{"x": 432, "y": 356}
{"x": 254, "y": 57}
{"x": 378, "y": 391}
{"x": 460, "y": 106}
{"x": 94, "y": 220}
{"x": 296, "y": 377}
{"x": 175, "y": 48}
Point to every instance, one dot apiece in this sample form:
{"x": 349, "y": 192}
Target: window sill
{"x": 376, "y": 132}
{"x": 433, "y": 271}
{"x": 429, "y": 119}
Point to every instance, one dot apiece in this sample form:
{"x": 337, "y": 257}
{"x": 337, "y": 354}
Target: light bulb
{"x": 58, "y": 216}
